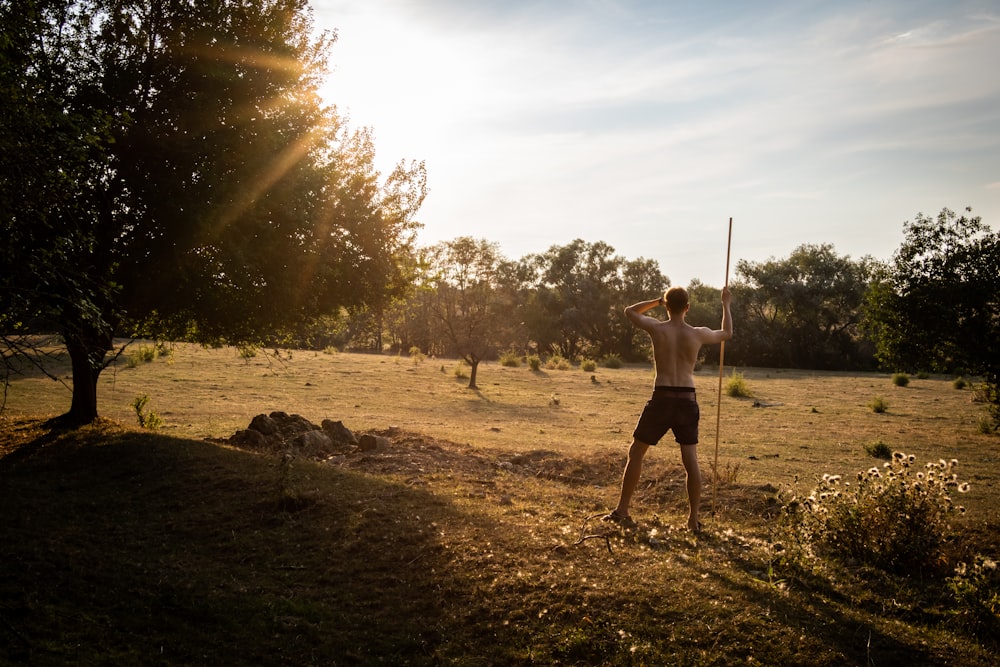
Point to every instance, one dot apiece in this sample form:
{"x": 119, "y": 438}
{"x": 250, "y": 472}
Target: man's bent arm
{"x": 636, "y": 312}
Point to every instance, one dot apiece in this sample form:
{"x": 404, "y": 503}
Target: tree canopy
{"x": 182, "y": 177}
{"x": 936, "y": 304}
{"x": 802, "y": 311}
{"x": 576, "y": 295}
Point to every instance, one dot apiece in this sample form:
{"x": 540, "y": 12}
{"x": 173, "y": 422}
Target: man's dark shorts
{"x": 669, "y": 408}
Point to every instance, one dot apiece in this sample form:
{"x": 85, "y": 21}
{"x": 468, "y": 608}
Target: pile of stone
{"x": 280, "y": 432}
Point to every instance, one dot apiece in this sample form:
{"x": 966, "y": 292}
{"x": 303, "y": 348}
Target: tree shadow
{"x": 122, "y": 547}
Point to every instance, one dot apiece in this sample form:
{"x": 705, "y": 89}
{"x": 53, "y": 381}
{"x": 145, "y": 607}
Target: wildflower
{"x": 920, "y": 475}
{"x": 911, "y": 458}
{"x": 834, "y": 479}
{"x": 953, "y": 463}
{"x": 898, "y": 456}
{"x": 963, "y": 487}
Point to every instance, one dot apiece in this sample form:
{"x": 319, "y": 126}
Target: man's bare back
{"x": 675, "y": 342}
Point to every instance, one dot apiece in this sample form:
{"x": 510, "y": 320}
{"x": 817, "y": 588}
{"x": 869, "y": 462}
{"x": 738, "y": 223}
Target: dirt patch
{"x": 394, "y": 451}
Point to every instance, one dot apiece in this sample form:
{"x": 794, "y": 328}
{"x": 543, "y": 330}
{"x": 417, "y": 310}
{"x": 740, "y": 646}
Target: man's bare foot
{"x": 623, "y": 520}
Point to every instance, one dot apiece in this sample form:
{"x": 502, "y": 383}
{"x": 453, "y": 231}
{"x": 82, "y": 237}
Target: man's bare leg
{"x": 689, "y": 456}
{"x": 630, "y": 478}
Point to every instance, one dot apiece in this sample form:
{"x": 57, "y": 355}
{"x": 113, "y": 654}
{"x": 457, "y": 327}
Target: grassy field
{"x": 471, "y": 539}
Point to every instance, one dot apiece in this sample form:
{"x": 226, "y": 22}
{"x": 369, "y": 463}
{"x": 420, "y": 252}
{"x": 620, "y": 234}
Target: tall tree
{"x": 580, "y": 291}
{"x": 936, "y": 304}
{"x": 802, "y": 311}
{"x": 198, "y": 186}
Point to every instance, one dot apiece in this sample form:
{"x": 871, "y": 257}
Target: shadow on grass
{"x": 133, "y": 548}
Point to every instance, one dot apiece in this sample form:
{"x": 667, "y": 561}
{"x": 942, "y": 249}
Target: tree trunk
{"x": 87, "y": 348}
{"x": 474, "y": 362}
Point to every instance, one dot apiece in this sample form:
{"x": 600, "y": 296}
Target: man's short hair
{"x": 676, "y": 299}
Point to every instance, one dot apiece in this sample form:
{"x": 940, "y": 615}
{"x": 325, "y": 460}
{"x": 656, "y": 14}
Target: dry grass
{"x": 464, "y": 541}
{"x": 798, "y": 425}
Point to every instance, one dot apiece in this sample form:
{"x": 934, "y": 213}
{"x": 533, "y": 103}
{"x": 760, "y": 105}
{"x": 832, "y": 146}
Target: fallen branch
{"x": 607, "y": 540}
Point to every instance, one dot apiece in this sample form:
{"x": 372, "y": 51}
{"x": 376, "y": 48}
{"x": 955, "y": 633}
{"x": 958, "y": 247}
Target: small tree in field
{"x": 464, "y": 280}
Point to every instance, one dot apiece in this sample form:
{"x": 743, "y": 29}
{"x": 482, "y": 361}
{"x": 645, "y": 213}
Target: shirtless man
{"x": 673, "y": 405}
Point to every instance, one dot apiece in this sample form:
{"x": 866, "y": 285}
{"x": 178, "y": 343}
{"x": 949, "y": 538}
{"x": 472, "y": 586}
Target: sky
{"x": 649, "y": 124}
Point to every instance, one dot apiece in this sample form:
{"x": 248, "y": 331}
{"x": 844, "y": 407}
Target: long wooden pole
{"x": 718, "y": 402}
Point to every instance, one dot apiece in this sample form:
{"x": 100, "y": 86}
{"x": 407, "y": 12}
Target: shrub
{"x": 416, "y": 355}
{"x": 510, "y": 358}
{"x": 460, "y": 371}
{"x": 557, "y": 362}
{"x": 986, "y": 426}
{"x": 959, "y": 383}
{"x": 975, "y": 588}
{"x": 894, "y": 517}
{"x": 150, "y": 419}
{"x": 878, "y": 405}
{"x": 534, "y": 362}
{"x": 736, "y": 386}
{"x": 900, "y": 379}
{"x": 140, "y": 355}
{"x": 923, "y": 375}
{"x": 588, "y": 365}
{"x": 879, "y": 450}
{"x": 612, "y": 361}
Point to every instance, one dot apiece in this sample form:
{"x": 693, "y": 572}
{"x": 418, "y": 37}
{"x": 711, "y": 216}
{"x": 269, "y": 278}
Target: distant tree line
{"x": 803, "y": 311}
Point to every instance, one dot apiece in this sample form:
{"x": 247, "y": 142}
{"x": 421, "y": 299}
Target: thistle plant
{"x": 895, "y": 517}
{"x": 976, "y": 590}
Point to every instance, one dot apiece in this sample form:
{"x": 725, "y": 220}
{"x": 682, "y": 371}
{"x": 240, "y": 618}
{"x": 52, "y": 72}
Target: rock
{"x": 369, "y": 442}
{"x": 282, "y": 432}
{"x": 313, "y": 440}
{"x": 338, "y": 433}
{"x": 251, "y": 438}
{"x": 313, "y": 444}
{"x": 264, "y": 424}
{"x": 292, "y": 425}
